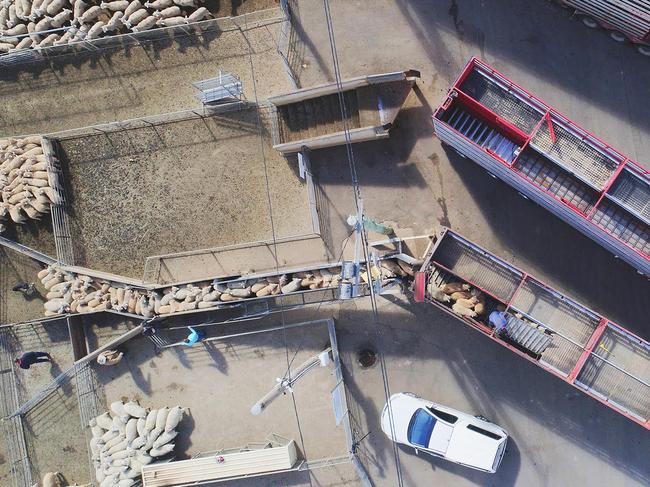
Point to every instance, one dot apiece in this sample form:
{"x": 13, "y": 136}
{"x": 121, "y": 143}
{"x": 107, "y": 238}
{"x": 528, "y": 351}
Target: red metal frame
{"x": 456, "y": 94}
{"x": 588, "y": 348}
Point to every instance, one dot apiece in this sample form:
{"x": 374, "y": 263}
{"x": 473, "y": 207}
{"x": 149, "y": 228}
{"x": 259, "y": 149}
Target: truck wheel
{"x": 617, "y": 36}
{"x": 645, "y": 50}
{"x": 589, "y": 22}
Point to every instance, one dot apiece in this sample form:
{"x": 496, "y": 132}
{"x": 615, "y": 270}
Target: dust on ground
{"x": 180, "y": 186}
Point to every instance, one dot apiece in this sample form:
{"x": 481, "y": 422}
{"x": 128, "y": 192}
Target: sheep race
{"x": 37, "y": 24}
{"x": 69, "y": 292}
{"x": 27, "y": 186}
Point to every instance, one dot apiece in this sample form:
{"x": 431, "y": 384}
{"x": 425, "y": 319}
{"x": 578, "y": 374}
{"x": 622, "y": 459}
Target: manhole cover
{"x": 366, "y": 358}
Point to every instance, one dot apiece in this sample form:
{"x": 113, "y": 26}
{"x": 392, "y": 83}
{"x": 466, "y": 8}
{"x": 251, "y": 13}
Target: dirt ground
{"x": 84, "y": 89}
{"x": 181, "y": 186}
{"x": 220, "y": 381}
{"x": 15, "y": 268}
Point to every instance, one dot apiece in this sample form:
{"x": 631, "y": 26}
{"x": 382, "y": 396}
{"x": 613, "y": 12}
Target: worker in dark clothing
{"x": 31, "y": 358}
{"x": 26, "y": 288}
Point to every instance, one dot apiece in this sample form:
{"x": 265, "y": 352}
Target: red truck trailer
{"x": 545, "y": 327}
{"x": 625, "y": 20}
{"x": 549, "y": 159}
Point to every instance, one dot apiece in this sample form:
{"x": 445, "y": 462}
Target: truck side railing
{"x": 586, "y": 350}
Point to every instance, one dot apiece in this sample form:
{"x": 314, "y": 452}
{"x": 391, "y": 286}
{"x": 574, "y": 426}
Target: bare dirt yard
{"x": 180, "y": 186}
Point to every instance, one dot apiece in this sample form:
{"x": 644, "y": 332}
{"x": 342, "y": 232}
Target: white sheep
{"x": 159, "y": 4}
{"x": 198, "y": 15}
{"x": 169, "y": 12}
{"x": 146, "y": 24}
{"x": 55, "y": 6}
{"x": 90, "y": 15}
{"x": 115, "y": 6}
{"x": 136, "y": 17}
{"x": 61, "y": 18}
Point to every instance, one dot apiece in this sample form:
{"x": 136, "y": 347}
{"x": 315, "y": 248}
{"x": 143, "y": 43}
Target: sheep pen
{"x": 39, "y": 24}
{"x": 187, "y": 184}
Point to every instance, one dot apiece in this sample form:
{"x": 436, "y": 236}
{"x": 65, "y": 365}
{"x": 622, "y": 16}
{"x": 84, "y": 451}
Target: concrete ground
{"x": 176, "y": 187}
{"x": 559, "y": 436}
{"x": 84, "y": 89}
{"x": 412, "y": 180}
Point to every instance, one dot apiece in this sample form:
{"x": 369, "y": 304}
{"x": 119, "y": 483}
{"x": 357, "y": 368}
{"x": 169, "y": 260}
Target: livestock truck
{"x": 549, "y": 159}
{"x": 625, "y": 20}
{"x": 542, "y": 325}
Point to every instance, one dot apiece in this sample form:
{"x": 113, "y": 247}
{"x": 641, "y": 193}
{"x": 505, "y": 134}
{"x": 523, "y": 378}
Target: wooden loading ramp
{"x": 313, "y": 117}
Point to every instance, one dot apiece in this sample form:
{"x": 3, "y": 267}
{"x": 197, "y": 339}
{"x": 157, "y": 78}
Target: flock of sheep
{"x": 69, "y": 292}
{"x": 129, "y": 437}
{"x": 26, "y": 185}
{"x": 36, "y": 24}
{"x": 463, "y": 298}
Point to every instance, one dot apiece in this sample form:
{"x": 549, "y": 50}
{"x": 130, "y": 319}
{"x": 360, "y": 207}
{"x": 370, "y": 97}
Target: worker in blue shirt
{"x": 499, "y": 320}
{"x": 193, "y": 337}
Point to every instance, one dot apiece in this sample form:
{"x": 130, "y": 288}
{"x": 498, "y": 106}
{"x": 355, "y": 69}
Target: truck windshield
{"x": 420, "y": 428}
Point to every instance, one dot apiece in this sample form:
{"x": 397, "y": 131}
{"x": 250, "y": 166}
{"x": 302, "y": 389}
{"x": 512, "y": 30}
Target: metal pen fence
{"x": 120, "y": 41}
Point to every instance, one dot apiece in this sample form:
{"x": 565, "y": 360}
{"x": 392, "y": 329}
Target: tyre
{"x": 643, "y": 49}
{"x": 617, "y": 36}
{"x": 589, "y": 22}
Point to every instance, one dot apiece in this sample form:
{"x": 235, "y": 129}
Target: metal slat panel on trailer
{"x": 558, "y": 165}
{"x": 553, "y": 331}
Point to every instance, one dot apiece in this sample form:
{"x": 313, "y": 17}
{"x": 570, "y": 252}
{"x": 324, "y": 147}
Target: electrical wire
{"x": 357, "y": 199}
{"x": 273, "y": 232}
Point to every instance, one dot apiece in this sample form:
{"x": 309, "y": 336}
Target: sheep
{"x": 161, "y": 418}
{"x": 162, "y": 451}
{"x": 78, "y": 8}
{"x": 134, "y": 6}
{"x": 198, "y": 15}
{"x": 173, "y": 418}
{"x": 167, "y": 13}
{"x": 61, "y": 18}
{"x": 18, "y": 30}
{"x": 115, "y": 6}
{"x": 91, "y": 14}
{"x": 185, "y": 3}
{"x": 96, "y": 30}
{"x": 453, "y": 287}
{"x": 55, "y": 6}
{"x": 114, "y": 23}
{"x": 145, "y": 24}
{"x": 135, "y": 410}
{"x": 159, "y": 4}
{"x": 463, "y": 311}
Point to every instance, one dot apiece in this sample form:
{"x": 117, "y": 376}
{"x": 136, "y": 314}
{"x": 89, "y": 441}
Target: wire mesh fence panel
{"x": 562, "y": 354}
{"x": 555, "y": 180}
{"x": 619, "y": 371}
{"x": 633, "y": 192}
{"x": 477, "y": 266}
{"x": 556, "y": 312}
{"x": 576, "y": 155}
{"x": 501, "y": 101}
